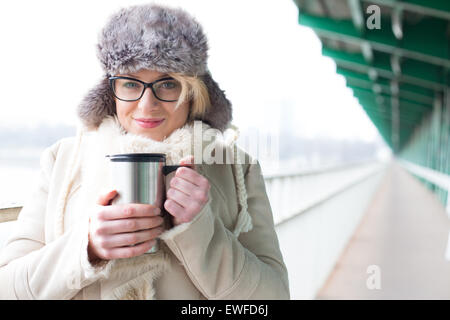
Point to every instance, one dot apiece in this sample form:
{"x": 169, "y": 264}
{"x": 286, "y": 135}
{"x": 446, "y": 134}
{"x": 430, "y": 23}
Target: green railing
{"x": 429, "y": 146}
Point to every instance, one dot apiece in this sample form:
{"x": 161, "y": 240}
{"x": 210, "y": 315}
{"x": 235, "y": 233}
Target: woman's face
{"x": 165, "y": 117}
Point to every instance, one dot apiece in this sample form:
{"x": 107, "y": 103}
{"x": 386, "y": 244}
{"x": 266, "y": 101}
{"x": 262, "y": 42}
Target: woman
{"x": 71, "y": 242}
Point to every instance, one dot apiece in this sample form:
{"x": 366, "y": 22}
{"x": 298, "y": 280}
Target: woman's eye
{"x": 130, "y": 85}
{"x": 169, "y": 85}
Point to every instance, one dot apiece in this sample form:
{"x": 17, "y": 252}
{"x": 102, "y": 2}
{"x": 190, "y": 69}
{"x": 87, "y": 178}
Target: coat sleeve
{"x": 30, "y": 268}
{"x": 223, "y": 266}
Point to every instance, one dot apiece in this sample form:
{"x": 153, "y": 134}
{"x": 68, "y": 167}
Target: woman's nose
{"x": 148, "y": 99}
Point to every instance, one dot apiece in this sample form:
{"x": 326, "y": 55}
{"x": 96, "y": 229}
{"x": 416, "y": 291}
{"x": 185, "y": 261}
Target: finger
{"x": 178, "y": 196}
{"x": 131, "y": 238}
{"x": 129, "y": 225}
{"x": 105, "y": 199}
{"x": 192, "y": 176}
{"x": 129, "y": 210}
{"x": 128, "y": 252}
{"x": 188, "y": 160}
{"x": 175, "y": 209}
{"x": 183, "y": 185}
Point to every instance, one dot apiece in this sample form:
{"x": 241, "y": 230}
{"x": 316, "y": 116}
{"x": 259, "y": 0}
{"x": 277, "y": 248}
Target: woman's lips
{"x": 145, "y": 123}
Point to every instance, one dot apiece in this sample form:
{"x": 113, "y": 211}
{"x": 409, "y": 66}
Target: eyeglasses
{"x": 130, "y": 89}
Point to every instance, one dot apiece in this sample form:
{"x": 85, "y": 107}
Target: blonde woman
{"x": 71, "y": 242}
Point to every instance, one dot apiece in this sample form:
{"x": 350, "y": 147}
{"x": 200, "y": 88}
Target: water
{"x": 19, "y": 172}
{"x": 17, "y": 183}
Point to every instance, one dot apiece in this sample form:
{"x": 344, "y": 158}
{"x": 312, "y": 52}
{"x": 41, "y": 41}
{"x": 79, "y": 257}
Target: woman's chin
{"x": 155, "y": 133}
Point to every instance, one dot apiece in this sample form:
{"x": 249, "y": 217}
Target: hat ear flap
{"x": 96, "y": 105}
{"x": 219, "y": 114}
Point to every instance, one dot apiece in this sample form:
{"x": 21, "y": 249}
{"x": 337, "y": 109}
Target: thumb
{"x": 106, "y": 198}
{"x": 188, "y": 160}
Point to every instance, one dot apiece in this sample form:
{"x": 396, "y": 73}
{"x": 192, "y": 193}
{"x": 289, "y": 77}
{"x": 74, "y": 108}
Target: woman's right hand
{"x": 123, "y": 230}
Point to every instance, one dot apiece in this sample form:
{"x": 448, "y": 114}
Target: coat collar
{"x": 195, "y": 138}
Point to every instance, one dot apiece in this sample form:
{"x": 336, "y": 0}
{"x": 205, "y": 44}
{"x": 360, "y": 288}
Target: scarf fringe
{"x": 141, "y": 287}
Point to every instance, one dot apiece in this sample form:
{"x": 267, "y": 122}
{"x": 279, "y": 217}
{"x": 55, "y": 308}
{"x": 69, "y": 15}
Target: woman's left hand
{"x": 188, "y": 193}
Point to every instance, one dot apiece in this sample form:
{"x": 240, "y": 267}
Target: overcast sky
{"x": 267, "y": 63}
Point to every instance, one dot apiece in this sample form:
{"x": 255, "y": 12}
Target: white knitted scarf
{"x": 133, "y": 277}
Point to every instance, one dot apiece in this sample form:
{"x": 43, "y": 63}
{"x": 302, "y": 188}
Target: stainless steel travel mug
{"x": 140, "y": 178}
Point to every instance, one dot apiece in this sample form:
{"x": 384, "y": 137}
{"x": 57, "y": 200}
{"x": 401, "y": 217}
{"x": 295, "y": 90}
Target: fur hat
{"x": 157, "y": 38}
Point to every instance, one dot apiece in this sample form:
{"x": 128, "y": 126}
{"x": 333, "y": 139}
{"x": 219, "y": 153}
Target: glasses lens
{"x": 126, "y": 89}
{"x": 168, "y": 90}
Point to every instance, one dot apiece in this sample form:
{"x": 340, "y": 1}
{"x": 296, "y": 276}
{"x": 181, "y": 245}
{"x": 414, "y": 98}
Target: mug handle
{"x": 170, "y": 168}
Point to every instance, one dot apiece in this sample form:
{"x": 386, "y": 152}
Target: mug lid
{"x": 137, "y": 157}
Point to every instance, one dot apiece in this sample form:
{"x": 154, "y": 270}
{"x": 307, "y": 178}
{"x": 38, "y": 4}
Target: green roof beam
{"x": 361, "y": 92}
{"x": 386, "y": 91}
{"x": 427, "y": 94}
{"x": 387, "y": 109}
{"x": 355, "y": 79}
{"x": 435, "y": 8}
{"x": 412, "y": 73}
{"x": 413, "y": 44}
{"x": 414, "y": 121}
{"x": 387, "y": 105}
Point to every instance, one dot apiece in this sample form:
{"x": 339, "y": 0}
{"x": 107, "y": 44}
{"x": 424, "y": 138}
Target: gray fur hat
{"x": 157, "y": 38}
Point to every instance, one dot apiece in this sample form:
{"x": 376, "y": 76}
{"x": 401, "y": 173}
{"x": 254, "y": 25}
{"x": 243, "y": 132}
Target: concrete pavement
{"x": 398, "y": 250}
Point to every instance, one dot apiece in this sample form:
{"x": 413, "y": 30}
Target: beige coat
{"x": 229, "y": 251}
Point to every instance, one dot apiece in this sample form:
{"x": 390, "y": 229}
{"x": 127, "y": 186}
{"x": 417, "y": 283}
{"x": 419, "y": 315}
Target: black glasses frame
{"x": 145, "y": 84}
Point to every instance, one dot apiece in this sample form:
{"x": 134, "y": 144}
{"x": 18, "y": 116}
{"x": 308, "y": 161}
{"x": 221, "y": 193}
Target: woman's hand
{"x": 188, "y": 193}
{"x": 123, "y": 230}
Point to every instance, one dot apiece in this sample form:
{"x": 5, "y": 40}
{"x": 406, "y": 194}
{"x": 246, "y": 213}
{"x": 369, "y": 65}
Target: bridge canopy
{"x": 394, "y": 55}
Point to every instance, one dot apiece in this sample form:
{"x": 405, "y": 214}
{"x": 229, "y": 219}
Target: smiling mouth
{"x": 149, "y": 123}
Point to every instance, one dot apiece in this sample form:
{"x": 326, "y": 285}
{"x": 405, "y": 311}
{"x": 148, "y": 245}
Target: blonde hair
{"x": 194, "y": 90}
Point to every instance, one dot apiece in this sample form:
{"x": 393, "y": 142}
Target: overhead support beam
{"x": 395, "y": 122}
{"x": 373, "y": 73}
{"x": 323, "y": 7}
{"x": 397, "y": 22}
{"x": 406, "y": 124}
{"x": 396, "y": 64}
{"x": 377, "y": 88}
{"x": 378, "y": 99}
{"x": 428, "y": 49}
{"x": 416, "y": 102}
{"x": 357, "y": 14}
{"x": 413, "y": 105}
{"x": 417, "y": 74}
{"x": 386, "y": 109}
{"x": 435, "y": 8}
{"x": 353, "y": 79}
{"x": 367, "y": 51}
{"x": 394, "y": 88}
{"x": 404, "y": 134}
{"x": 359, "y": 23}
{"x": 416, "y": 93}
{"x": 411, "y": 122}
